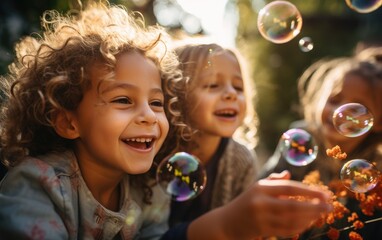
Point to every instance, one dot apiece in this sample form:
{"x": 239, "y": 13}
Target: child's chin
{"x": 227, "y": 134}
{"x": 140, "y": 169}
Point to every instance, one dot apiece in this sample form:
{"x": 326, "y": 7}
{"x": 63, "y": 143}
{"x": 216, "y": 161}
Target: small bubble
{"x": 352, "y": 119}
{"x": 364, "y": 6}
{"x": 298, "y": 147}
{"x": 358, "y": 175}
{"x": 182, "y": 176}
{"x": 306, "y": 44}
{"x": 279, "y": 21}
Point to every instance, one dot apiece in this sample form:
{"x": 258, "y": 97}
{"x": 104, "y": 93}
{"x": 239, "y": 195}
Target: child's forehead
{"x": 218, "y": 53}
{"x": 122, "y": 62}
{"x": 132, "y": 69}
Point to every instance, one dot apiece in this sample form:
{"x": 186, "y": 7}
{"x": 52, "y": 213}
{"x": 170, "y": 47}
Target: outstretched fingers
{"x": 277, "y": 176}
{"x": 288, "y": 188}
{"x": 286, "y": 217}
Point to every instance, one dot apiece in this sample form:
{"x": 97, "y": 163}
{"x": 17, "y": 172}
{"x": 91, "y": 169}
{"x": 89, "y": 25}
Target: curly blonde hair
{"x": 51, "y": 72}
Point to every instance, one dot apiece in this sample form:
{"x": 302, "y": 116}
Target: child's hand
{"x": 270, "y": 208}
{"x": 278, "y": 176}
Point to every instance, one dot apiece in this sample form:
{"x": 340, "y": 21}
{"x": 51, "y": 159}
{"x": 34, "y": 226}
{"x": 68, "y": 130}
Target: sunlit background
{"x": 329, "y": 28}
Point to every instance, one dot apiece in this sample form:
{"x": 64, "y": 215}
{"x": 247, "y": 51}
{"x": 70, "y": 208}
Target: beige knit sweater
{"x": 236, "y": 172}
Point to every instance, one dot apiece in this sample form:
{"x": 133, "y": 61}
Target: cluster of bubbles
{"x": 354, "y": 120}
{"x": 298, "y": 147}
{"x": 181, "y": 176}
{"x": 280, "y": 21}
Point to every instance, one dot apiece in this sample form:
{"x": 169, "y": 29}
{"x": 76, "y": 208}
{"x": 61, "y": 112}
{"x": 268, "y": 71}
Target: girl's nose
{"x": 146, "y": 115}
{"x": 230, "y": 93}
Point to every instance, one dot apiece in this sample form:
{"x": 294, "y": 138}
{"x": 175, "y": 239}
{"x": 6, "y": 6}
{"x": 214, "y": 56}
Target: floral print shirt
{"x": 47, "y": 198}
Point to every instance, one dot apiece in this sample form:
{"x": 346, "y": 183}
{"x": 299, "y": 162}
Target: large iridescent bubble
{"x": 279, "y": 21}
{"x": 358, "y": 175}
{"x": 352, "y": 119}
{"x": 364, "y": 6}
{"x": 182, "y": 176}
{"x": 298, "y": 147}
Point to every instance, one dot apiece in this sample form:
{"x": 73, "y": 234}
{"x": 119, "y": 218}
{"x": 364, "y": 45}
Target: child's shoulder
{"x": 34, "y": 188}
{"x": 238, "y": 147}
{"x": 43, "y": 167}
{"x": 239, "y": 153}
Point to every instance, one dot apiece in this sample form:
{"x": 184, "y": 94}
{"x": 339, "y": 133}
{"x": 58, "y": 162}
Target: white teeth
{"x": 231, "y": 112}
{"x": 139, "y": 139}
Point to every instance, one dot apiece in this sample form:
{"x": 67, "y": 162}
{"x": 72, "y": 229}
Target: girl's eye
{"x": 122, "y": 100}
{"x": 239, "y": 88}
{"x": 212, "y": 85}
{"x": 157, "y": 103}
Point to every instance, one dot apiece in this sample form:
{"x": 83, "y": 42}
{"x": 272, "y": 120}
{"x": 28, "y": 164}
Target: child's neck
{"x": 207, "y": 146}
{"x": 106, "y": 190}
{"x": 110, "y": 199}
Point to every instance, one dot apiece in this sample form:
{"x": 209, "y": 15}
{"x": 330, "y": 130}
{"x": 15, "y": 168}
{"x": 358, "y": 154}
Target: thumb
{"x": 284, "y": 175}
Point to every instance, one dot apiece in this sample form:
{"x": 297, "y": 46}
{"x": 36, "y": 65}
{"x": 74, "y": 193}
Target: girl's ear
{"x": 64, "y": 125}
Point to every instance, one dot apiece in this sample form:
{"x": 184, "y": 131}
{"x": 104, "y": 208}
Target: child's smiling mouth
{"x": 226, "y": 113}
{"x": 139, "y": 143}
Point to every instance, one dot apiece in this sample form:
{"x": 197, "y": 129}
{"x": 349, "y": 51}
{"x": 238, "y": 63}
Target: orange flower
{"x": 358, "y": 224}
{"x": 355, "y": 236}
{"x": 333, "y": 233}
{"x": 353, "y": 217}
{"x": 336, "y": 153}
{"x": 368, "y": 202}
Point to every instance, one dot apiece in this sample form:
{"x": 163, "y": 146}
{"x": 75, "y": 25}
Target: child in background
{"x": 323, "y": 87}
{"x": 83, "y": 119}
{"x": 215, "y": 98}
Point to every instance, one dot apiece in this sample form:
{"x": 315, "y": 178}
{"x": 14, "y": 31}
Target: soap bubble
{"x": 352, "y": 119}
{"x": 279, "y": 21}
{"x": 182, "y": 176}
{"x": 364, "y": 6}
{"x": 358, "y": 175}
{"x": 298, "y": 147}
{"x": 306, "y": 44}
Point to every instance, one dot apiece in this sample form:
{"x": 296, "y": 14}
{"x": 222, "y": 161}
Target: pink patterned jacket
{"x": 47, "y": 198}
